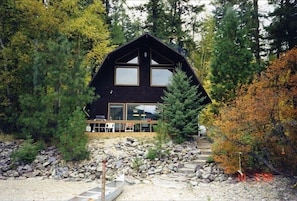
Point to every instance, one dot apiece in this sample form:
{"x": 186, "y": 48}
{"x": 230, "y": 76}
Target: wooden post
{"x": 103, "y": 179}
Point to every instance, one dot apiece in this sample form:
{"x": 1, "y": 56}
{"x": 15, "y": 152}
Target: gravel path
{"x": 158, "y": 188}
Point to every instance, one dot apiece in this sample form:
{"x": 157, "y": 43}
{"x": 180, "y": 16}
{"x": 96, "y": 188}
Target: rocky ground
{"x": 124, "y": 156}
{"x": 173, "y": 177}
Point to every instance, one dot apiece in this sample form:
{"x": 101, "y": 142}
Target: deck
{"x": 120, "y": 128}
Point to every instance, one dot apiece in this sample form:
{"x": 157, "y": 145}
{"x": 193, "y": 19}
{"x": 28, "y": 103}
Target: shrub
{"x": 153, "y": 153}
{"x": 157, "y": 152}
{"x": 261, "y": 122}
{"x": 27, "y": 152}
{"x": 72, "y": 139}
{"x": 162, "y": 137}
{"x": 136, "y": 163}
{"x": 162, "y": 133}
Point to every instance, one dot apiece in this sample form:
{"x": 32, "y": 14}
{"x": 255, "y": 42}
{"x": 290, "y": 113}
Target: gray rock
{"x": 45, "y": 164}
{"x": 49, "y": 164}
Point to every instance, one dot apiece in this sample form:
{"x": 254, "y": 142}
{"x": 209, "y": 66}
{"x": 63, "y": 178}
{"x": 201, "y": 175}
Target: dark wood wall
{"x": 103, "y": 81}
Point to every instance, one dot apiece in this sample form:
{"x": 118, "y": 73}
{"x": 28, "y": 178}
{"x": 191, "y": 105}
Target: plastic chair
{"x": 129, "y": 127}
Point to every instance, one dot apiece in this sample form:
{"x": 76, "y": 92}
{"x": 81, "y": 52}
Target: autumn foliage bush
{"x": 260, "y": 126}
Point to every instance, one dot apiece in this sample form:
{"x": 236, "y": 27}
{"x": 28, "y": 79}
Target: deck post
{"x": 103, "y": 178}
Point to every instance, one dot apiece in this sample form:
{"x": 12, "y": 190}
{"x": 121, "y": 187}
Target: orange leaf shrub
{"x": 261, "y": 122}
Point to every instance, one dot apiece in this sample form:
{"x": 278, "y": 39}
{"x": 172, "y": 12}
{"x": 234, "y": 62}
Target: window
{"x": 127, "y": 69}
{"x": 127, "y": 76}
{"x": 132, "y": 111}
{"x": 129, "y": 58}
{"x": 141, "y": 111}
{"x": 161, "y": 76}
{"x": 116, "y": 111}
{"x": 157, "y": 59}
{"x": 161, "y": 70}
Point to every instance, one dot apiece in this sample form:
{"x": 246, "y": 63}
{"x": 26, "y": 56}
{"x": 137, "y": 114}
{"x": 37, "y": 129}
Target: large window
{"x": 127, "y": 76}
{"x": 141, "y": 111}
{"x": 132, "y": 111}
{"x": 161, "y": 76}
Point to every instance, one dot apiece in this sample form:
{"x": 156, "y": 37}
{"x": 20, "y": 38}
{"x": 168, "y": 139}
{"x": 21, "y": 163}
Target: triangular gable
{"x": 157, "y": 59}
{"x": 129, "y": 58}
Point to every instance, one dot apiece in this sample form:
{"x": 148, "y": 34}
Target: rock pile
{"x": 128, "y": 156}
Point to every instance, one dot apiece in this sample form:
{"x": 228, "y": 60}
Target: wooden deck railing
{"x": 120, "y": 125}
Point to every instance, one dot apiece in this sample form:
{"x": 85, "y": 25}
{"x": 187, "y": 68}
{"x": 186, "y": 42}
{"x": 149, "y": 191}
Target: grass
{"x": 6, "y": 137}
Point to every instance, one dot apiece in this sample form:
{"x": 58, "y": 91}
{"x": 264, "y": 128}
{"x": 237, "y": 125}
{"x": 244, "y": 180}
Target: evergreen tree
{"x": 60, "y": 87}
{"x": 248, "y": 12}
{"x": 122, "y": 27}
{"x": 181, "y": 28}
{"x": 157, "y": 20}
{"x": 255, "y": 32}
{"x": 181, "y": 106}
{"x": 26, "y": 26}
{"x": 282, "y": 30}
{"x": 231, "y": 64}
{"x": 72, "y": 140}
{"x": 116, "y": 20}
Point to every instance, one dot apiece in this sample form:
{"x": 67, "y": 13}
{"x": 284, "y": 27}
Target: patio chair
{"x": 129, "y": 127}
{"x": 110, "y": 127}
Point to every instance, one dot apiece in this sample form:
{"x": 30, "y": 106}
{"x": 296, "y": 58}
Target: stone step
{"x": 204, "y": 146}
{"x": 204, "y": 156}
{"x": 199, "y": 161}
{"x": 205, "y": 151}
{"x": 189, "y": 168}
{"x": 190, "y": 165}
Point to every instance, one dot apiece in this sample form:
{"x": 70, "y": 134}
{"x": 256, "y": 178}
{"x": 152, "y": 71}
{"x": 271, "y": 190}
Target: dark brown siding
{"x": 103, "y": 81}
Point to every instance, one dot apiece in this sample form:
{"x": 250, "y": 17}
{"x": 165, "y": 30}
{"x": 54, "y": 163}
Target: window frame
{"x": 160, "y": 68}
{"x": 128, "y": 55}
{"x": 125, "y": 107}
{"x": 126, "y": 84}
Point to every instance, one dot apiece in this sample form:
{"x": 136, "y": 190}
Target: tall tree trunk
{"x": 256, "y": 32}
{"x": 154, "y": 16}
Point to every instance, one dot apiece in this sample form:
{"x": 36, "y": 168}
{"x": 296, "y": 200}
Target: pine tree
{"x": 231, "y": 65}
{"x": 157, "y": 21}
{"x": 60, "y": 86}
{"x": 26, "y": 26}
{"x": 282, "y": 30}
{"x": 72, "y": 140}
{"x": 181, "y": 106}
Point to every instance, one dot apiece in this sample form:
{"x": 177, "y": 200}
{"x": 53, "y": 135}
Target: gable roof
{"x": 151, "y": 43}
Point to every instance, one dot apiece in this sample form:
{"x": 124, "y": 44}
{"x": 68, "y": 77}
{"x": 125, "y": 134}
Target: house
{"x": 132, "y": 78}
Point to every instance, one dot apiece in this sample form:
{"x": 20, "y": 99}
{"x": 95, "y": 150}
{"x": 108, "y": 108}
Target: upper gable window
{"x": 157, "y": 59}
{"x": 130, "y": 58}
